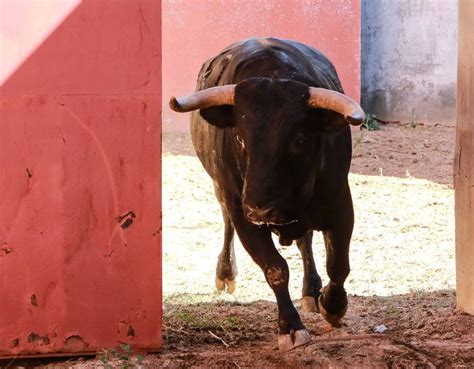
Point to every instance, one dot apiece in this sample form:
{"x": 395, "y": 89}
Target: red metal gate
{"x": 80, "y": 175}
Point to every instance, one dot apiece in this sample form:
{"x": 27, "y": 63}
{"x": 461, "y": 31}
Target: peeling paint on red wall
{"x": 80, "y": 177}
{"x": 195, "y": 30}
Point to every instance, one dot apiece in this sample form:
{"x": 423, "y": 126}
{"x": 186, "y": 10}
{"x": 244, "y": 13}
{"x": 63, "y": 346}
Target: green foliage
{"x": 392, "y": 307}
{"x": 118, "y": 357}
{"x": 205, "y": 323}
{"x": 370, "y": 123}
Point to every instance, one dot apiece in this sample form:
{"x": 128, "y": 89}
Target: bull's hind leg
{"x": 226, "y": 269}
{"x": 333, "y": 300}
{"x": 311, "y": 280}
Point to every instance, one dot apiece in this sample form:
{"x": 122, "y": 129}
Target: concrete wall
{"x": 195, "y": 30}
{"x": 409, "y": 58}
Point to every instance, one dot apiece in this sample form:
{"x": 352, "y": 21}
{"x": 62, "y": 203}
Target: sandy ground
{"x": 404, "y": 233}
{"x": 402, "y": 269}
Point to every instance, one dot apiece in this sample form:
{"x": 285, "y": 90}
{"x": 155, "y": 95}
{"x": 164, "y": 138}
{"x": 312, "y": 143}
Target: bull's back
{"x": 261, "y": 57}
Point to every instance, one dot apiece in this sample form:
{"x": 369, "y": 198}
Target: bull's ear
{"x": 220, "y": 116}
{"x": 327, "y": 120}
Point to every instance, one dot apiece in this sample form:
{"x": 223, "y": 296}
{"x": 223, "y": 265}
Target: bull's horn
{"x": 335, "y": 101}
{"x": 214, "y": 96}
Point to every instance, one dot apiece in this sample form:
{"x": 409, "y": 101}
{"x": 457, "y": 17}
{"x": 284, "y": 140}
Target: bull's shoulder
{"x": 322, "y": 70}
{"x": 212, "y": 71}
{"x": 222, "y": 68}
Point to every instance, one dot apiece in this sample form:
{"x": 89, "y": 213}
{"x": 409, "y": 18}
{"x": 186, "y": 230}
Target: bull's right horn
{"x": 335, "y": 101}
{"x": 214, "y": 96}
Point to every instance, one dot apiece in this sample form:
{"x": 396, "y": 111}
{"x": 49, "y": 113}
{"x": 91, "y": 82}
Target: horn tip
{"x": 356, "y": 118}
{"x": 175, "y": 105}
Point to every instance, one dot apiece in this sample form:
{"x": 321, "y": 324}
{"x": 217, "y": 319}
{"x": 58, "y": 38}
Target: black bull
{"x": 270, "y": 126}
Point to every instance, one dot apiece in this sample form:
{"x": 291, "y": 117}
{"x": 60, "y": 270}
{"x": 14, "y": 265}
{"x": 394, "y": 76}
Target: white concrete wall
{"x": 409, "y": 59}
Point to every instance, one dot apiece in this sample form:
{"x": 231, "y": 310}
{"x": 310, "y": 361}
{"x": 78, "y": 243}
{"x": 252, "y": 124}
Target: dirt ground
{"x": 402, "y": 270}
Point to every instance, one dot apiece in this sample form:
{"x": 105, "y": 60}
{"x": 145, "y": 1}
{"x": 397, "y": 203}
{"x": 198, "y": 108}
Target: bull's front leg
{"x": 332, "y": 302}
{"x": 259, "y": 244}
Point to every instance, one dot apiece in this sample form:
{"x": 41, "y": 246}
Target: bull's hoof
{"x": 308, "y": 304}
{"x": 287, "y": 342}
{"x": 332, "y": 318}
{"x": 226, "y": 284}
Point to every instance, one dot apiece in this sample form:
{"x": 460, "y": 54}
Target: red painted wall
{"x": 195, "y": 30}
{"x": 80, "y": 105}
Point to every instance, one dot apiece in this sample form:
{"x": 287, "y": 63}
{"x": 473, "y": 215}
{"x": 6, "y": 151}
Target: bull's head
{"x": 277, "y": 128}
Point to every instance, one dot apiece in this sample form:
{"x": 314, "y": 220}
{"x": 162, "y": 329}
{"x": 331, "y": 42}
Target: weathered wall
{"x": 464, "y": 161}
{"x": 80, "y": 207}
{"x": 195, "y": 30}
{"x": 409, "y": 50}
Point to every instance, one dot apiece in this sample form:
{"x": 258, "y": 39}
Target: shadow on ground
{"x": 395, "y": 150}
{"x": 423, "y": 330}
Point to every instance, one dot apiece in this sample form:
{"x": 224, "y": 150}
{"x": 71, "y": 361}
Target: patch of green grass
{"x": 193, "y": 321}
{"x": 231, "y": 322}
{"x": 120, "y": 356}
{"x": 417, "y": 293}
{"x": 370, "y": 123}
{"x": 189, "y": 298}
{"x": 392, "y": 308}
{"x": 441, "y": 304}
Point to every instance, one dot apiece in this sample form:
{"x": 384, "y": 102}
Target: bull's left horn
{"x": 335, "y": 101}
{"x": 214, "y": 96}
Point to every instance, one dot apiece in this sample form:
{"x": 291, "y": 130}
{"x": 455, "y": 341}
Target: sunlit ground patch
{"x": 403, "y": 239}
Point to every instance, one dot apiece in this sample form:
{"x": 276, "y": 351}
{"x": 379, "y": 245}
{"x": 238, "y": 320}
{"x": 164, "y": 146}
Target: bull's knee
{"x": 277, "y": 276}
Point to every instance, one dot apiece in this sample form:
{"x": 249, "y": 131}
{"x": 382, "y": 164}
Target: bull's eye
{"x": 240, "y": 141}
{"x": 298, "y": 145}
{"x": 300, "y": 141}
